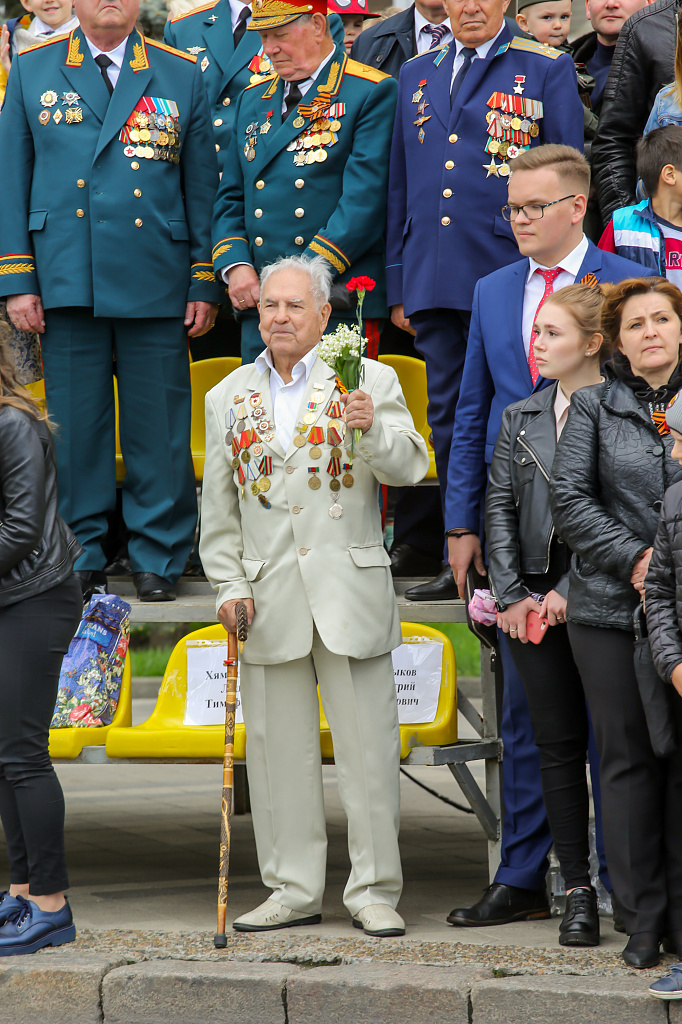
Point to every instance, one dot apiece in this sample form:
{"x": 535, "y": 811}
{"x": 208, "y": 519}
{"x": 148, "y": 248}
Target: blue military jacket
{"x": 89, "y": 217}
{"x": 444, "y": 227}
{"x": 288, "y": 188}
{"x": 206, "y": 32}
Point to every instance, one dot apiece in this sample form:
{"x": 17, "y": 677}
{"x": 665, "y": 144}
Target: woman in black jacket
{"x": 611, "y": 470}
{"x": 527, "y": 559}
{"x": 40, "y": 607}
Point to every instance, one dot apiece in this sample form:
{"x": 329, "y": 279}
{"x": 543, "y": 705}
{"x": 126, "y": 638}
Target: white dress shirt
{"x": 286, "y": 398}
{"x": 423, "y": 38}
{"x": 115, "y": 56}
{"x": 481, "y": 52}
{"x": 561, "y": 404}
{"x": 236, "y": 7}
{"x": 535, "y": 286}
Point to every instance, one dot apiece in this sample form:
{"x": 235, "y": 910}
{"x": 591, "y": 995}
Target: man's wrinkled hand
{"x": 227, "y": 613}
{"x": 399, "y": 319}
{"x": 200, "y": 317}
{"x": 26, "y": 313}
{"x": 359, "y": 410}
{"x": 243, "y": 287}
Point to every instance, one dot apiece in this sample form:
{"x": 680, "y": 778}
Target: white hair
{"x": 315, "y": 267}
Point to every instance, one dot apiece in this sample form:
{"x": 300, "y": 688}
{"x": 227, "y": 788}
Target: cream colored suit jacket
{"x": 302, "y": 567}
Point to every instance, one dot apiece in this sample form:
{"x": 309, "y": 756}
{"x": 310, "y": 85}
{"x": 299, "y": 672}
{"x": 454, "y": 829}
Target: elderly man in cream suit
{"x": 291, "y": 525}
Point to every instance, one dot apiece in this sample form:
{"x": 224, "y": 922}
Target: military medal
{"x": 299, "y": 439}
{"x": 195, "y": 50}
{"x": 416, "y": 96}
{"x": 74, "y": 115}
{"x": 44, "y": 116}
{"x": 492, "y": 168}
{"x": 519, "y": 79}
{"x": 314, "y": 482}
{"x": 70, "y": 99}
{"x": 347, "y": 479}
{"x": 57, "y": 116}
{"x": 49, "y": 98}
{"x": 511, "y": 125}
{"x": 204, "y": 64}
{"x": 298, "y": 122}
{"x": 266, "y": 126}
{"x": 335, "y": 510}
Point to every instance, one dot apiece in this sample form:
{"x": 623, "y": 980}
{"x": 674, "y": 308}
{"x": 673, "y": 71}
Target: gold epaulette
{"x": 353, "y": 67}
{"x": 48, "y": 42}
{"x": 532, "y": 46}
{"x": 170, "y": 49}
{"x": 195, "y": 10}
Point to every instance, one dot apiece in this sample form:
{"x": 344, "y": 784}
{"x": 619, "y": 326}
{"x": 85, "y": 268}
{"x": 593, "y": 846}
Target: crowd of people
{"x": 516, "y": 202}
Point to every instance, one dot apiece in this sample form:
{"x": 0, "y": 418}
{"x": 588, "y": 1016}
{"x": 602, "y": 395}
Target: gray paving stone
{"x": 53, "y": 988}
{"x": 566, "y": 1000}
{"x": 675, "y": 1010}
{"x": 381, "y": 994}
{"x": 170, "y": 991}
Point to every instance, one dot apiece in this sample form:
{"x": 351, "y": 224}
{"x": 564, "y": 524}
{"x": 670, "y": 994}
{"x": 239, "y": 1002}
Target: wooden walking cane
{"x": 220, "y": 939}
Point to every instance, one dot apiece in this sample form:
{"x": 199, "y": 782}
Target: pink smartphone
{"x": 535, "y": 627}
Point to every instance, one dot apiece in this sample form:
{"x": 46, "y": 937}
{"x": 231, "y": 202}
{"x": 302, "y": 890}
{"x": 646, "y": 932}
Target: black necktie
{"x": 103, "y": 62}
{"x": 240, "y": 27}
{"x": 459, "y": 77}
{"x": 293, "y": 99}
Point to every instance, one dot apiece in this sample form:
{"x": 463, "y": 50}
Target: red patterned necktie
{"x": 550, "y": 277}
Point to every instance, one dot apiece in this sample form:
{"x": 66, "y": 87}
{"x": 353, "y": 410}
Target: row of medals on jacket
{"x": 311, "y": 145}
{"x": 151, "y": 136}
{"x": 252, "y": 465}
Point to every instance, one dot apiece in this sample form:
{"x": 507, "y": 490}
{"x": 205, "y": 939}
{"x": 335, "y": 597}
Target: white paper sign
{"x": 207, "y": 683}
{"x": 417, "y": 668}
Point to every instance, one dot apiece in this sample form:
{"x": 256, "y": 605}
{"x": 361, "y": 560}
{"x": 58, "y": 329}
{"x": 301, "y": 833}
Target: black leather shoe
{"x": 151, "y": 587}
{"x": 618, "y": 916}
{"x": 642, "y": 950}
{"x": 502, "y": 904}
{"x": 443, "y": 588}
{"x": 672, "y": 943}
{"x": 409, "y": 561}
{"x": 580, "y": 925}
{"x": 92, "y": 581}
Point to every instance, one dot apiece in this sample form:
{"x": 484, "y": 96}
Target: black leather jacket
{"x": 663, "y": 593}
{"x": 518, "y": 520}
{"x": 37, "y": 549}
{"x": 643, "y": 63}
{"x": 609, "y": 476}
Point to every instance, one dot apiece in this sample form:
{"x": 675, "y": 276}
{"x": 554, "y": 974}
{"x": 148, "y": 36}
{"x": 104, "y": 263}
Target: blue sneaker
{"x": 28, "y": 928}
{"x": 7, "y": 905}
{"x": 669, "y": 987}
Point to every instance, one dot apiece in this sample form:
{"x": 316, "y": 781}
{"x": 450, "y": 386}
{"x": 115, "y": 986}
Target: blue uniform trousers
{"x": 159, "y": 493}
{"x": 526, "y": 839}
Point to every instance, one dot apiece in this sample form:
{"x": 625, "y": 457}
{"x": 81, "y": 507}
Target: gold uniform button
{"x": 217, "y": 148}
{"x": 218, "y": 121}
{"x": 138, "y": 223}
{"x": 260, "y": 183}
{"x": 453, "y": 138}
{"x": 445, "y": 221}
{"x": 258, "y": 213}
{"x": 137, "y": 193}
{"x": 134, "y": 166}
{"x": 80, "y": 183}
{"x": 447, "y": 192}
{"x": 449, "y": 164}
{"x": 258, "y": 240}
{"x": 289, "y": 470}
{"x": 299, "y": 240}
{"x": 80, "y": 213}
{"x": 299, "y": 183}
{"x": 303, "y": 551}
{"x": 226, "y": 101}
{"x": 300, "y": 212}
{"x": 296, "y": 509}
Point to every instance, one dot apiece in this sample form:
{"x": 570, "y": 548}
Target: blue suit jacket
{"x": 82, "y": 223}
{"x": 444, "y": 227}
{"x": 496, "y": 374}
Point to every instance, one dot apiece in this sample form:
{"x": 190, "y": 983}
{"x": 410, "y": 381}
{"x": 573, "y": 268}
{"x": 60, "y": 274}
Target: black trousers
{"x": 557, "y": 710}
{"x": 641, "y": 794}
{"x": 34, "y": 637}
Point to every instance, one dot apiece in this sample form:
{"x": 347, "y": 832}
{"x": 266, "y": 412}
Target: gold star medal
{"x": 492, "y": 167}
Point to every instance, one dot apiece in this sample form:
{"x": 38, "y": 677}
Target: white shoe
{"x": 271, "y": 915}
{"x": 379, "y": 919}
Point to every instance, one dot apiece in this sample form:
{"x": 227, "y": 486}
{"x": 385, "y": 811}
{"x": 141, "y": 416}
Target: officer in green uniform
{"x": 104, "y": 251}
{"x": 307, "y": 170}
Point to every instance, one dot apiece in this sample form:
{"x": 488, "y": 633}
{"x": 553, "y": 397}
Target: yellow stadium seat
{"x": 412, "y": 376}
{"x": 164, "y": 735}
{"x": 68, "y": 743}
{"x": 204, "y": 375}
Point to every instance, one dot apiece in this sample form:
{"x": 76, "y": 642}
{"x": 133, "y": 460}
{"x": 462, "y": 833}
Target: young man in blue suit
{"x": 546, "y": 206}
{"x": 108, "y": 174}
{"x": 464, "y": 114}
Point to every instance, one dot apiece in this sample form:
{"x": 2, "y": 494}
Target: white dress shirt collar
{"x": 307, "y": 82}
{"x": 39, "y": 28}
{"x": 236, "y": 7}
{"x": 286, "y": 398}
{"x": 570, "y": 263}
{"x": 561, "y": 404}
{"x": 423, "y": 39}
{"x": 115, "y": 56}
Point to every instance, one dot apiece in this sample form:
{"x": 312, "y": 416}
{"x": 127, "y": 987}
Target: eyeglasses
{"x": 535, "y": 211}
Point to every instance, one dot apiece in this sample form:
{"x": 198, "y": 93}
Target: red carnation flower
{"x": 360, "y": 284}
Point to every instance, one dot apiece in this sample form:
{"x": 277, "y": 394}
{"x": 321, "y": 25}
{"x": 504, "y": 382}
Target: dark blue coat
{"x": 496, "y": 374}
{"x": 444, "y": 227}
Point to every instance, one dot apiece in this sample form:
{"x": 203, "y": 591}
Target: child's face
{"x": 352, "y": 27}
{"x": 676, "y": 452}
{"x": 52, "y": 12}
{"x": 548, "y": 22}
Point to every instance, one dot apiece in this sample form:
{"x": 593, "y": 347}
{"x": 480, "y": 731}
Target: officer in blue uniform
{"x": 464, "y": 112}
{"x": 105, "y": 252}
{"x": 307, "y": 172}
